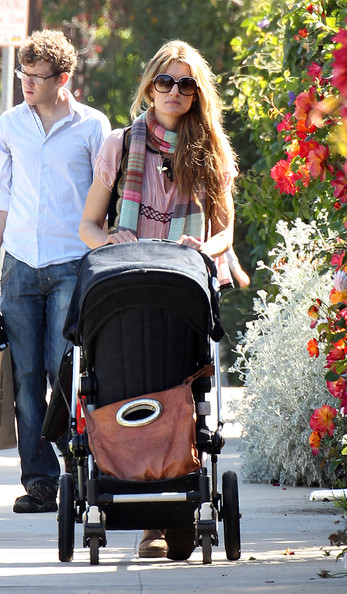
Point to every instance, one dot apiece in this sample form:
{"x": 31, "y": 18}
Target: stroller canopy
{"x": 118, "y": 276}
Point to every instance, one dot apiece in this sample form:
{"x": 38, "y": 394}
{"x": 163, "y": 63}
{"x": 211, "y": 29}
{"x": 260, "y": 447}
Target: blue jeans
{"x": 34, "y": 303}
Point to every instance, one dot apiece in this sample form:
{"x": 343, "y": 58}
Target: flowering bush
{"x": 313, "y": 135}
{"x": 282, "y": 385}
{"x": 329, "y": 428}
{"x": 282, "y": 87}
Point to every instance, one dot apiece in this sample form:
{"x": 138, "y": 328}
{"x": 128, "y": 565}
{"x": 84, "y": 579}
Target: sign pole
{"x": 14, "y": 16}
{"x": 8, "y": 58}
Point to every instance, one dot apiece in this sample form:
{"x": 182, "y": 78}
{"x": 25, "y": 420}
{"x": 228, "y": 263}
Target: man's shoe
{"x": 181, "y": 544}
{"x": 153, "y": 544}
{"x": 41, "y": 497}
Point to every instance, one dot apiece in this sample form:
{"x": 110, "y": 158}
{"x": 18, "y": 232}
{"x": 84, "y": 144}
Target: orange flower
{"x": 322, "y": 420}
{"x": 314, "y": 441}
{"x": 303, "y": 128}
{"x": 337, "y": 296}
{"x": 312, "y": 347}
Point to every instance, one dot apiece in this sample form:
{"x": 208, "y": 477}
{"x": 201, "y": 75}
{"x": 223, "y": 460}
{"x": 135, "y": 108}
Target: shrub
{"x": 283, "y": 385}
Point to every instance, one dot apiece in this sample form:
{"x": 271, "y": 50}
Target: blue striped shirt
{"x": 44, "y": 180}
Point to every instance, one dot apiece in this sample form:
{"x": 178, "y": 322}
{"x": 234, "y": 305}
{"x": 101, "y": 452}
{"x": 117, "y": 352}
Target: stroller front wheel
{"x": 206, "y": 543}
{"x": 94, "y": 550}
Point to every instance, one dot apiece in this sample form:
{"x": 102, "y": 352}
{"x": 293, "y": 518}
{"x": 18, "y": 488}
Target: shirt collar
{"x": 74, "y": 106}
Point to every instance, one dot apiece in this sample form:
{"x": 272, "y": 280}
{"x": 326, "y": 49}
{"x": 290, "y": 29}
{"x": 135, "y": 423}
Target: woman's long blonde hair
{"x": 202, "y": 144}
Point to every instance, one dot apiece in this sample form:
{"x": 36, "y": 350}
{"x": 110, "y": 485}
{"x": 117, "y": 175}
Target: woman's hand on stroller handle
{"x": 124, "y": 236}
{"x": 190, "y": 242}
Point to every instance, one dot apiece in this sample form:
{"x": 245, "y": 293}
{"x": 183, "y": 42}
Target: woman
{"x": 179, "y": 177}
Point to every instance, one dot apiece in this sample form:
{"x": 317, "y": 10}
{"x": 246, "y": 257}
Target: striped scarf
{"x": 188, "y": 217}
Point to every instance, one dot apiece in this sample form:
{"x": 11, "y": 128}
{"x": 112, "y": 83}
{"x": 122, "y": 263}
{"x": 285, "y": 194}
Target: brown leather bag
{"x": 158, "y": 446}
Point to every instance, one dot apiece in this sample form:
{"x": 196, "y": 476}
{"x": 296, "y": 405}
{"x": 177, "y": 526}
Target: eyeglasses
{"x": 187, "y": 85}
{"x": 37, "y": 79}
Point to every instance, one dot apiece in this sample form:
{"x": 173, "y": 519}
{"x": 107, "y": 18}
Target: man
{"x": 47, "y": 149}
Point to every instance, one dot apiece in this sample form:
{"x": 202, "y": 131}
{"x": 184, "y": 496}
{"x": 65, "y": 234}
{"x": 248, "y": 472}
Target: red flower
{"x": 302, "y": 33}
{"x": 286, "y": 123}
{"x": 306, "y": 146}
{"x": 339, "y": 78}
{"x": 302, "y": 130}
{"x": 315, "y": 71}
{"x": 285, "y": 177}
{"x": 338, "y": 388}
{"x": 322, "y": 420}
{"x": 314, "y": 441}
{"x": 316, "y": 160}
{"x": 340, "y": 185}
{"x": 337, "y": 259}
{"x": 312, "y": 347}
{"x": 334, "y": 355}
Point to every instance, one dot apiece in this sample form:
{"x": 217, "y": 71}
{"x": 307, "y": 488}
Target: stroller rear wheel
{"x": 231, "y": 516}
{"x": 66, "y": 518}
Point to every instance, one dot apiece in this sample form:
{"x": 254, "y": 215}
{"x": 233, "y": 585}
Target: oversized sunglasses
{"x": 163, "y": 83}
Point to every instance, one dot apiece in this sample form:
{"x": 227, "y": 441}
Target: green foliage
{"x": 116, "y": 39}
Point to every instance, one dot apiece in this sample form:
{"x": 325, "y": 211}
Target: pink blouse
{"x": 154, "y": 194}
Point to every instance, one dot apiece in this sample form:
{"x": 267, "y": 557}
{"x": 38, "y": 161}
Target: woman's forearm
{"x": 218, "y": 244}
{"x": 91, "y": 234}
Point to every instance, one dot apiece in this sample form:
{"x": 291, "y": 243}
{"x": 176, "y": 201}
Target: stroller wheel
{"x": 94, "y": 550}
{"x": 206, "y": 548}
{"x": 231, "y": 516}
{"x": 66, "y": 519}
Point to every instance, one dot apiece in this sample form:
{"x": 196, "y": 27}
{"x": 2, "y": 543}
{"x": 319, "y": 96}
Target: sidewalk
{"x": 284, "y": 545}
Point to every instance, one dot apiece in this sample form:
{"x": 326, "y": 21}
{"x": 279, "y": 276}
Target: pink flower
{"x": 340, "y": 281}
{"x": 286, "y": 123}
{"x": 304, "y": 103}
{"x": 316, "y": 161}
{"x": 338, "y": 388}
{"x": 315, "y": 71}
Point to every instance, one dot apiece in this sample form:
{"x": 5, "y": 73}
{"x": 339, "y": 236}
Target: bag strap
{"x": 115, "y": 194}
{"x": 206, "y": 371}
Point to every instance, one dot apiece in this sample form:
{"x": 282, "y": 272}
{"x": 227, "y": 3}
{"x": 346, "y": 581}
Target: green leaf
{"x": 331, "y": 376}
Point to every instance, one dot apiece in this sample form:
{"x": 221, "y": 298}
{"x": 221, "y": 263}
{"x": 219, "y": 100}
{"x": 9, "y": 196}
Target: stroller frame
{"x": 191, "y": 503}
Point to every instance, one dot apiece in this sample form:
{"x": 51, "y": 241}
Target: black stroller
{"x": 141, "y": 319}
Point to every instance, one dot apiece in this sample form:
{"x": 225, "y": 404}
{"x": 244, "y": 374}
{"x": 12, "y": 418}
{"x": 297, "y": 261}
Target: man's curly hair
{"x": 51, "y": 46}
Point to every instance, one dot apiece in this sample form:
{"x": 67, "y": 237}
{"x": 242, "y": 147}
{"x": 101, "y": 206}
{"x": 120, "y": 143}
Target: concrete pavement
{"x": 284, "y": 537}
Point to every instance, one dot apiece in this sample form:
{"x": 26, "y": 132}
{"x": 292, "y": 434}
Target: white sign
{"x": 14, "y": 16}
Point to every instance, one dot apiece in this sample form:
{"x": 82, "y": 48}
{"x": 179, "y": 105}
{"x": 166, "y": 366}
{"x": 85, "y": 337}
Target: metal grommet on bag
{"x": 147, "y": 411}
